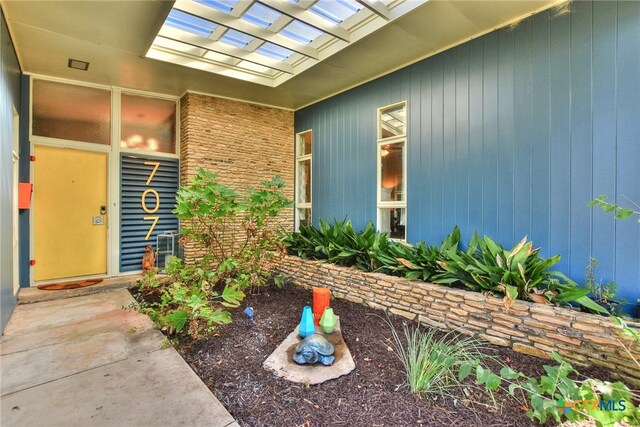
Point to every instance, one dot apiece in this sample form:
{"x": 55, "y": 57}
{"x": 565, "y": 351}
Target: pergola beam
{"x": 376, "y": 7}
{"x": 221, "y": 18}
{"x": 306, "y": 4}
{"x": 308, "y": 18}
{"x": 214, "y": 46}
{"x": 189, "y": 60}
{"x": 241, "y": 8}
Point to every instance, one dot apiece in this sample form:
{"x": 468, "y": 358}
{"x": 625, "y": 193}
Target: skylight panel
{"x": 267, "y": 41}
{"x": 236, "y": 38}
{"x": 225, "y": 6}
{"x": 274, "y": 52}
{"x": 301, "y": 32}
{"x": 261, "y": 15}
{"x": 192, "y": 24}
{"x": 336, "y": 11}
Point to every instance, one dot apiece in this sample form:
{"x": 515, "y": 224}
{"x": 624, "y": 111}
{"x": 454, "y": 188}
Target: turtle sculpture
{"x": 312, "y": 349}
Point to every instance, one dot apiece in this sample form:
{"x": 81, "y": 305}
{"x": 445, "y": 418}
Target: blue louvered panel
{"x": 133, "y": 183}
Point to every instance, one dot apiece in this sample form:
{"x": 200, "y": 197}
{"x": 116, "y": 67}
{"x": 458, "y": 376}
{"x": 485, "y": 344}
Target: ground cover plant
{"x": 376, "y": 393}
{"x": 440, "y": 365}
{"x": 484, "y": 266}
{"x": 619, "y": 212}
{"x": 433, "y": 362}
{"x": 240, "y": 241}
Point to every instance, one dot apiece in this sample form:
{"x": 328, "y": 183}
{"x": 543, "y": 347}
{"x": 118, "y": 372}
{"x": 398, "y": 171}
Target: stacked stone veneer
{"x": 529, "y": 328}
{"x": 243, "y": 143}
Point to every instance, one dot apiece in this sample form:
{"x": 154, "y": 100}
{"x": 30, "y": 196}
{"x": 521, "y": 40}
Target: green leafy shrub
{"x": 240, "y": 240}
{"x": 422, "y": 261}
{"x": 340, "y": 244}
{"x": 187, "y": 297}
{"x": 519, "y": 273}
{"x": 238, "y": 232}
{"x": 545, "y": 395}
{"x": 619, "y": 211}
{"x": 603, "y": 294}
{"x": 443, "y": 367}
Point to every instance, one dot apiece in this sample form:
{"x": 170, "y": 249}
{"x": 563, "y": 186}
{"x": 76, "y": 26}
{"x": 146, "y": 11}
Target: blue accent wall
{"x": 9, "y": 99}
{"x": 510, "y": 134}
{"x": 24, "y": 223}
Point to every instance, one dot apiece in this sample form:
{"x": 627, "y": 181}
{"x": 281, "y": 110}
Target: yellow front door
{"x": 70, "y": 223}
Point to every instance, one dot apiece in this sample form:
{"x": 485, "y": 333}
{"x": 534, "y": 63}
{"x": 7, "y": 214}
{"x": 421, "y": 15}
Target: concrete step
{"x": 33, "y": 294}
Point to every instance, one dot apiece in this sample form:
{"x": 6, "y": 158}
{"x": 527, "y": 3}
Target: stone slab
{"x": 85, "y": 361}
{"x": 41, "y": 364}
{"x": 154, "y": 389}
{"x": 124, "y": 321}
{"x": 46, "y": 315}
{"x": 281, "y": 363}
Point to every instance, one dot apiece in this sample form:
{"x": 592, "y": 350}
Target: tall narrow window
{"x": 392, "y": 167}
{"x": 304, "y": 142}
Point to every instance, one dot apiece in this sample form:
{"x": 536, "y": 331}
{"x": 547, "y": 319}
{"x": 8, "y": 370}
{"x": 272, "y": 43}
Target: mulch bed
{"x": 374, "y": 394}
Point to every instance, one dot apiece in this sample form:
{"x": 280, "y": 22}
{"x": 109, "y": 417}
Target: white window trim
{"x": 113, "y": 169}
{"x": 299, "y": 160}
{"x": 398, "y": 139}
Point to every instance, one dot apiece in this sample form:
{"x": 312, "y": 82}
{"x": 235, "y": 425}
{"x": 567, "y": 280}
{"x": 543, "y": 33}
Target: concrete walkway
{"x": 84, "y": 361}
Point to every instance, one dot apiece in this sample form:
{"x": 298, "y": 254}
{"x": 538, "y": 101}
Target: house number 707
{"x": 143, "y": 200}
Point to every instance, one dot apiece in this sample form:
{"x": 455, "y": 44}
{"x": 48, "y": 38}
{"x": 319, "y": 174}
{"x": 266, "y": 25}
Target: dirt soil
{"x": 374, "y": 394}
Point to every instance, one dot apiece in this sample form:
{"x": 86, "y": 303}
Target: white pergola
{"x": 267, "y": 41}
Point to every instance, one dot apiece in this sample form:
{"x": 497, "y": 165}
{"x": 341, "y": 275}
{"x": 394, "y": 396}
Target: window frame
{"x": 299, "y": 160}
{"x": 396, "y": 139}
{"x": 114, "y": 151}
{"x": 176, "y": 101}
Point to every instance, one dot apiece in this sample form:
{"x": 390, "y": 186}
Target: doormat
{"x": 69, "y": 285}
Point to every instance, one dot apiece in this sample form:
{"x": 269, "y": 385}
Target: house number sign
{"x": 143, "y": 199}
{"x": 148, "y": 187}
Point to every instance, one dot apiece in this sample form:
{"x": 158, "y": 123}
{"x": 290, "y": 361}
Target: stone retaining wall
{"x": 529, "y": 328}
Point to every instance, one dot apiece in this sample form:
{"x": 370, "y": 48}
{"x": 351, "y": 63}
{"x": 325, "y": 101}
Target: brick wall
{"x": 243, "y": 143}
{"x": 529, "y": 328}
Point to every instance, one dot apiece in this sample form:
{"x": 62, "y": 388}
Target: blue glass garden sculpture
{"x": 248, "y": 312}
{"x": 312, "y": 349}
{"x": 306, "y": 327}
{"x": 328, "y": 321}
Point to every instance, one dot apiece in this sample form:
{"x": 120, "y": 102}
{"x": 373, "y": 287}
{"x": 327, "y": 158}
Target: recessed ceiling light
{"x": 78, "y": 65}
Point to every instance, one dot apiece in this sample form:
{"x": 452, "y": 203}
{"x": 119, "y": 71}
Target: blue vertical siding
{"x": 522, "y": 124}
{"x": 510, "y": 134}
{"x": 627, "y": 246}
{"x": 490, "y": 148}
{"x": 559, "y": 138}
{"x": 9, "y": 99}
{"x": 540, "y": 142}
{"x": 581, "y": 129}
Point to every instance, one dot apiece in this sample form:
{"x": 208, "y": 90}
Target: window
{"x": 303, "y": 178}
{"x": 392, "y": 167}
{"x": 76, "y": 113}
{"x": 148, "y": 124}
